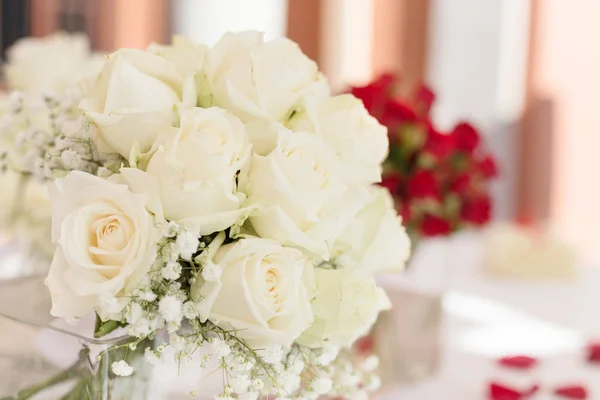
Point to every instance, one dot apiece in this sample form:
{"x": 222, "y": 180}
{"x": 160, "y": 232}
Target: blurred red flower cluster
{"x": 440, "y": 180}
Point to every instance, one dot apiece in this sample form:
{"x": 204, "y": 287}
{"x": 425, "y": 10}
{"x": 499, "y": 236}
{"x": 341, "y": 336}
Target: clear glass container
{"x": 42, "y": 358}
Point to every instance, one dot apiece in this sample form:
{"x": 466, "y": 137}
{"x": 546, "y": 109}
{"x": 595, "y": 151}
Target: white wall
{"x": 477, "y": 64}
{"x": 207, "y": 20}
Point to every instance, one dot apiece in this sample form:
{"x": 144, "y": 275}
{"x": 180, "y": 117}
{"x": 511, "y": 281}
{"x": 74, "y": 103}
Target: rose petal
{"x": 593, "y": 353}
{"x": 518, "y": 362}
{"x": 498, "y": 391}
{"x": 571, "y": 392}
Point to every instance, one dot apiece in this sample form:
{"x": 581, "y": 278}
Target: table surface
{"x": 486, "y": 318}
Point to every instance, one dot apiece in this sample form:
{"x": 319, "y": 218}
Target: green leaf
{"x": 103, "y": 328}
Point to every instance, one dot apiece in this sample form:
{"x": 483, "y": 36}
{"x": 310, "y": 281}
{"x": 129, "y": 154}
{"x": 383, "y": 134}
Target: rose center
{"x": 108, "y": 239}
{"x": 272, "y": 288}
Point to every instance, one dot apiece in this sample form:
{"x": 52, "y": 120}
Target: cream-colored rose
{"x": 263, "y": 292}
{"x": 296, "y": 180}
{"x": 358, "y": 139}
{"x": 194, "y": 168}
{"x": 106, "y": 242}
{"x": 346, "y": 306}
{"x": 375, "y": 239}
{"x": 133, "y": 100}
{"x": 258, "y": 80}
{"x": 187, "y": 56}
{"x": 53, "y": 63}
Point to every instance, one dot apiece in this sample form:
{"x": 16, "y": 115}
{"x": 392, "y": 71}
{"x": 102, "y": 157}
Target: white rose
{"x": 295, "y": 179}
{"x": 133, "y": 100}
{"x": 375, "y": 239}
{"x": 264, "y": 292}
{"x": 258, "y": 80}
{"x": 193, "y": 171}
{"x": 52, "y": 63}
{"x": 346, "y": 306}
{"x": 187, "y": 56}
{"x": 359, "y": 140}
{"x": 106, "y": 242}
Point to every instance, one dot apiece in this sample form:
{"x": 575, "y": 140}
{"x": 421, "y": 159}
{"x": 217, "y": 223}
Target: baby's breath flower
{"x": 373, "y": 383}
{"x": 171, "y": 309}
{"x": 258, "y": 384}
{"x": 190, "y": 310}
{"x": 220, "y": 348}
{"x": 370, "y": 363}
{"x": 328, "y": 354}
{"x": 211, "y": 272}
{"x": 171, "y": 271}
{"x": 187, "y": 244}
{"x": 121, "y": 368}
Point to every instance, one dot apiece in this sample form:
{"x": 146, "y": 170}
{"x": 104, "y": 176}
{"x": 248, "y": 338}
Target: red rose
{"x": 396, "y": 112}
{"x": 438, "y": 144}
{"x": 422, "y": 184}
{"x": 488, "y": 167}
{"x": 375, "y": 94}
{"x": 466, "y": 137}
{"x": 434, "y": 226}
{"x": 391, "y": 182}
{"x": 478, "y": 210}
{"x": 423, "y": 99}
{"x": 461, "y": 184}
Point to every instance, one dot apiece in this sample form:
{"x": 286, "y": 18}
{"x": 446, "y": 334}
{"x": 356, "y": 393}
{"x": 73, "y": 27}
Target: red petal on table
{"x": 593, "y": 353}
{"x": 572, "y": 392}
{"x": 519, "y": 362}
{"x": 501, "y": 392}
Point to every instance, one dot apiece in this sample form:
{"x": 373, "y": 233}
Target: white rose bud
{"x": 347, "y": 304}
{"x": 193, "y": 171}
{"x": 133, "y": 100}
{"x": 375, "y": 239}
{"x": 106, "y": 242}
{"x": 258, "y": 80}
{"x": 357, "y": 138}
{"x": 263, "y": 292}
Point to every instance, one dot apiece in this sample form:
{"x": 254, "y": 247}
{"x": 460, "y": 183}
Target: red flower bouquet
{"x": 440, "y": 180}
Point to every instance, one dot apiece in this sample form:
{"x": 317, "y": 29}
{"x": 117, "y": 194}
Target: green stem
{"x": 61, "y": 377}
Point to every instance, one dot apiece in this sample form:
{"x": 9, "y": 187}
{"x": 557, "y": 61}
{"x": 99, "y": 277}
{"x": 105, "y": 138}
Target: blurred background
{"x": 522, "y": 70}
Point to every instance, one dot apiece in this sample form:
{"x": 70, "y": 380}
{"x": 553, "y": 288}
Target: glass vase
{"x": 409, "y": 337}
{"x": 43, "y": 359}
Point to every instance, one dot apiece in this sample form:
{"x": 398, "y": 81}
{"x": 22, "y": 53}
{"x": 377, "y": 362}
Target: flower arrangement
{"x": 440, "y": 180}
{"x": 35, "y": 67}
{"x": 222, "y": 200}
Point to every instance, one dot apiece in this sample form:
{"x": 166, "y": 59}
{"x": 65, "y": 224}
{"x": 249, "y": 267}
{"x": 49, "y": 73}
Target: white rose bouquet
{"x": 222, "y": 200}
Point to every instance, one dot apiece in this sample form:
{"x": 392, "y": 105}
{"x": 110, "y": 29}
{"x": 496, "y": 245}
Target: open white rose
{"x": 258, "y": 80}
{"x": 187, "y": 56}
{"x": 134, "y": 99}
{"x": 346, "y": 306}
{"x": 296, "y": 180}
{"x": 375, "y": 239}
{"x": 106, "y": 242}
{"x": 53, "y": 63}
{"x": 193, "y": 170}
{"x": 360, "y": 140}
{"x": 264, "y": 292}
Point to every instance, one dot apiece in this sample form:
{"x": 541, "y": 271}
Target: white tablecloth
{"x": 486, "y": 318}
